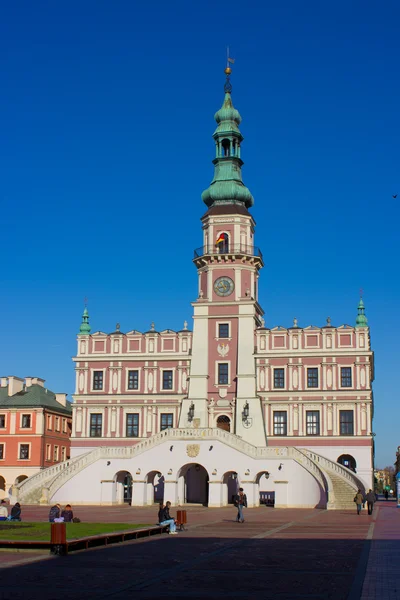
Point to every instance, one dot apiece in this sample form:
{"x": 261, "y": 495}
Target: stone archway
{"x": 154, "y": 482}
{"x": 193, "y": 483}
{"x": 230, "y": 487}
{"x": 266, "y": 494}
{"x": 20, "y": 479}
{"x": 122, "y": 492}
{"x": 224, "y": 422}
{"x": 348, "y": 461}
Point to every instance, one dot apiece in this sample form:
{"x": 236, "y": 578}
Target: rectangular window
{"x": 312, "y": 422}
{"x": 56, "y": 453}
{"x": 96, "y": 421}
{"x": 24, "y": 451}
{"x": 97, "y": 380}
{"x": 279, "y": 378}
{"x": 1, "y": 451}
{"x": 2, "y": 421}
{"x": 345, "y": 376}
{"x": 280, "y": 422}
{"x": 63, "y": 453}
{"x": 223, "y": 330}
{"x": 167, "y": 380}
{"x": 26, "y": 421}
{"x": 312, "y": 377}
{"x": 48, "y": 451}
{"x": 65, "y": 425}
{"x": 133, "y": 380}
{"x": 167, "y": 421}
{"x": 223, "y": 374}
{"x": 346, "y": 418}
{"x": 57, "y": 428}
{"x": 49, "y": 422}
{"x": 132, "y": 425}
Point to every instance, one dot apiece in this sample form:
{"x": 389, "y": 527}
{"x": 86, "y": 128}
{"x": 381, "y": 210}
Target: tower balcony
{"x": 240, "y": 252}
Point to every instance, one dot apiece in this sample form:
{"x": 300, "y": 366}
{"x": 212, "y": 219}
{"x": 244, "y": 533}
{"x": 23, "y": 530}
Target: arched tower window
{"x": 222, "y": 243}
{"x": 226, "y": 148}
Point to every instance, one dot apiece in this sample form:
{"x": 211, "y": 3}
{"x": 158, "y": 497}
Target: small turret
{"x": 85, "y": 328}
{"x": 361, "y": 319}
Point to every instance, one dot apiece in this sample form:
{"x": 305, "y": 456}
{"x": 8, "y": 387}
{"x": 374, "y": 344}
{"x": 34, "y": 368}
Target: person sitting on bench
{"x": 164, "y": 518}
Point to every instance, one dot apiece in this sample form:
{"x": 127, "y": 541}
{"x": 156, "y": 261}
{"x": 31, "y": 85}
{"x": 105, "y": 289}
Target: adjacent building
{"x": 189, "y": 415}
{"x": 35, "y": 429}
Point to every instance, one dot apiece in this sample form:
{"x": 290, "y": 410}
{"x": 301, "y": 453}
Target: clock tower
{"x": 222, "y": 386}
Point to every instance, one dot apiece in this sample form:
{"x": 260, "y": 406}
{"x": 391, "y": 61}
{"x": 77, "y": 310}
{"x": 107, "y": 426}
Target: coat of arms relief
{"x": 192, "y": 450}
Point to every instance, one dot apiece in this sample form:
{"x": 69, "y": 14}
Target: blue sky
{"x": 106, "y": 121}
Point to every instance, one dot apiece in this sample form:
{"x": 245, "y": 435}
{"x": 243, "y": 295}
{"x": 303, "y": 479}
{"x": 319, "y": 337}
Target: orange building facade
{"x": 35, "y": 429}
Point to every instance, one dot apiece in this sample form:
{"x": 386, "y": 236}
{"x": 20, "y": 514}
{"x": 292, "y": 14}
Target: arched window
{"x": 222, "y": 243}
{"x": 348, "y": 461}
{"x": 224, "y": 422}
{"x": 226, "y": 148}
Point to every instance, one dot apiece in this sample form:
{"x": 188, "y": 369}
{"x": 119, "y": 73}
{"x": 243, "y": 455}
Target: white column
{"x": 138, "y": 493}
{"x": 171, "y": 492}
{"x": 214, "y": 494}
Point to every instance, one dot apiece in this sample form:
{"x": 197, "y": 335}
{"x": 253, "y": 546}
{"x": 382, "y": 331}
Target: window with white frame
{"x": 167, "y": 380}
{"x": 280, "y": 422}
{"x": 98, "y": 380}
{"x": 48, "y": 451}
{"x": 2, "y": 421}
{"x": 65, "y": 425}
{"x": 57, "y": 425}
{"x": 279, "y": 378}
{"x": 96, "y": 424}
{"x": 133, "y": 380}
{"x": 312, "y": 377}
{"x": 132, "y": 425}
{"x": 223, "y": 330}
{"x": 312, "y": 422}
{"x": 346, "y": 420}
{"x": 223, "y": 373}
{"x": 167, "y": 421}
{"x": 63, "y": 453}
{"x": 49, "y": 422}
{"x": 24, "y": 451}
{"x": 26, "y": 421}
{"x": 56, "y": 453}
{"x": 2, "y": 451}
{"x": 345, "y": 377}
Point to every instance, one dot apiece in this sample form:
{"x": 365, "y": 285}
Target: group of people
{"x": 58, "y": 515}
{"x": 368, "y": 499}
{"x": 15, "y": 514}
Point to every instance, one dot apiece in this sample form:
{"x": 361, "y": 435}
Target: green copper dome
{"x": 361, "y": 319}
{"x": 227, "y": 186}
{"x": 85, "y": 328}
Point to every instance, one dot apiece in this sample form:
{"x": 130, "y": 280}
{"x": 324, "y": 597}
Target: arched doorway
{"x": 122, "y": 487}
{"x": 154, "y": 487}
{"x": 224, "y": 422}
{"x": 230, "y": 487}
{"x": 265, "y": 493}
{"x": 20, "y": 479}
{"x": 193, "y": 484}
{"x": 348, "y": 461}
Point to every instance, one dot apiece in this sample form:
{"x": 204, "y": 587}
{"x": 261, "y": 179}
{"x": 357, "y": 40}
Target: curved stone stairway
{"x": 340, "y": 484}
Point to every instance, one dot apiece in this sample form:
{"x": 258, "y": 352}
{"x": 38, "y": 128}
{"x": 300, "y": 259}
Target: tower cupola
{"x": 361, "y": 319}
{"x": 85, "y": 328}
{"x": 227, "y": 186}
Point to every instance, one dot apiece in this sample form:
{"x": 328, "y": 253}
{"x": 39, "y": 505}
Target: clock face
{"x": 223, "y": 286}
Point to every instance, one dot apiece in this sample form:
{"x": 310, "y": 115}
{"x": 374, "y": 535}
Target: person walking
{"x": 164, "y": 518}
{"x": 359, "y": 500}
{"x": 386, "y": 495}
{"x": 370, "y": 498}
{"x": 240, "y": 502}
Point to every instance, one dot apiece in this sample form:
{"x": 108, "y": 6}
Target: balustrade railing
{"x": 237, "y": 250}
{"x": 331, "y": 465}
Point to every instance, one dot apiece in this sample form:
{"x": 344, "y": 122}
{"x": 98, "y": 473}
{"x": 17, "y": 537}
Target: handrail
{"x": 331, "y": 465}
{"x": 239, "y": 249}
{"x": 45, "y": 474}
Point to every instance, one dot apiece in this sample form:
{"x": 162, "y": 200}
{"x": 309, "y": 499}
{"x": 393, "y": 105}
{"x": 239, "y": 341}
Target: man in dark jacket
{"x": 240, "y": 501}
{"x": 164, "y": 518}
{"x": 370, "y": 498}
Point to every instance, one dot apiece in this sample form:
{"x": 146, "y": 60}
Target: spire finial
{"x": 361, "y": 319}
{"x": 295, "y": 322}
{"x": 228, "y": 71}
{"x": 185, "y": 325}
{"x": 85, "y": 328}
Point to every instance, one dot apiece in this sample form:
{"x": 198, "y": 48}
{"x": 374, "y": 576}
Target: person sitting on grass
{"x": 54, "y": 513}
{"x": 164, "y": 518}
{"x": 3, "y": 511}
{"x": 16, "y": 512}
{"x": 67, "y": 514}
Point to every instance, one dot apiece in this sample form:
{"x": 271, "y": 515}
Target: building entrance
{"x": 193, "y": 484}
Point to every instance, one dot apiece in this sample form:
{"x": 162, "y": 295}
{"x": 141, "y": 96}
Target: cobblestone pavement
{"x": 284, "y": 554}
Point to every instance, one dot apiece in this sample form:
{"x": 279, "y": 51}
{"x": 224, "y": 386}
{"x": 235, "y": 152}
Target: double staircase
{"x": 339, "y": 483}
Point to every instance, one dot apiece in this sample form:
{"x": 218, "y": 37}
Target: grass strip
{"x": 41, "y": 531}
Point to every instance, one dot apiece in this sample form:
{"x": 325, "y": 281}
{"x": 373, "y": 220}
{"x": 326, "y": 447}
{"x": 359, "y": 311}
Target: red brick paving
{"x": 282, "y": 554}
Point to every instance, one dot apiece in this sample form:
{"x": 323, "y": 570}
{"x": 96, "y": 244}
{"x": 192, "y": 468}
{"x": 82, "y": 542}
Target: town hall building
{"x": 191, "y": 415}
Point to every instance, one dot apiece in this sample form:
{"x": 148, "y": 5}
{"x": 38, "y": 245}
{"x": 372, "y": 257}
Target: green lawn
{"x": 41, "y": 531}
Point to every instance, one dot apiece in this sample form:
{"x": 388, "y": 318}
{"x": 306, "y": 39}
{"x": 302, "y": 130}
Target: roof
{"x": 227, "y": 209}
{"x": 32, "y": 397}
